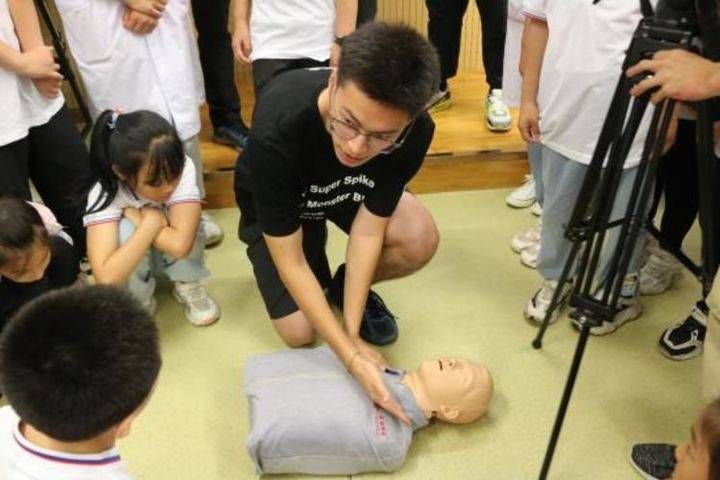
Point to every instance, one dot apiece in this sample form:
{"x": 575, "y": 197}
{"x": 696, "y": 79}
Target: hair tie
{"x": 112, "y": 123}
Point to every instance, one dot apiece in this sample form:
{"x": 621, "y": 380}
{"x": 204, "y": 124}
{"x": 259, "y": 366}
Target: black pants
{"x": 445, "y": 27}
{"x": 55, "y": 158}
{"x": 217, "y": 60}
{"x": 367, "y": 9}
{"x": 62, "y": 271}
{"x": 265, "y": 69}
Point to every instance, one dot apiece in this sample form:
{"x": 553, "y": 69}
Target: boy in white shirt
{"x": 579, "y": 46}
{"x": 77, "y": 366}
{"x": 141, "y": 55}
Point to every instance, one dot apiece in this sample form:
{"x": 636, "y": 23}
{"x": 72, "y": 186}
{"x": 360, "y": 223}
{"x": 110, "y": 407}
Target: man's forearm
{"x": 27, "y": 25}
{"x": 10, "y": 59}
{"x": 534, "y": 40}
{"x": 345, "y": 16}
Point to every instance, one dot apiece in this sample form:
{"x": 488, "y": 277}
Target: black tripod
{"x": 65, "y": 68}
{"x": 595, "y": 297}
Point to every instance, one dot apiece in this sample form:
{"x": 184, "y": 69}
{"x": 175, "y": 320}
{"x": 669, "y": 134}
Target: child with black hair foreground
{"x": 36, "y": 255}
{"x": 77, "y": 366}
{"x": 696, "y": 459}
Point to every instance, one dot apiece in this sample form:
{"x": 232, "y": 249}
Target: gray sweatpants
{"x": 562, "y": 180}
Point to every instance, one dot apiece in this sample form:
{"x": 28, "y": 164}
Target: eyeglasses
{"x": 377, "y": 142}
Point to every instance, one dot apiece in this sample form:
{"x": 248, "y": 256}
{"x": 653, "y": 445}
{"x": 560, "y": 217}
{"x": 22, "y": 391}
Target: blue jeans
{"x": 562, "y": 180}
{"x": 189, "y": 269}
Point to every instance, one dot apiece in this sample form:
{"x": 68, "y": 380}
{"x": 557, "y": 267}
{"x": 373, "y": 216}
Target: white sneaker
{"x": 629, "y": 308}
{"x": 539, "y": 304}
{"x": 530, "y": 257}
{"x": 200, "y": 309}
{"x": 659, "y": 271}
{"x": 536, "y": 209}
{"x": 526, "y": 238}
{"x": 497, "y": 114}
{"x": 524, "y": 195}
{"x": 213, "y": 233}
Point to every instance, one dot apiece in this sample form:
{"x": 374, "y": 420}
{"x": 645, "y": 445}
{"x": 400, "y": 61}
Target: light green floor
{"x": 467, "y": 302}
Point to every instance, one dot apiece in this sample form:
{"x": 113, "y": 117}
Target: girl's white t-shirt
{"x": 512, "y": 81}
{"x": 21, "y": 104}
{"x": 287, "y": 29}
{"x": 582, "y": 65}
{"x": 185, "y": 192}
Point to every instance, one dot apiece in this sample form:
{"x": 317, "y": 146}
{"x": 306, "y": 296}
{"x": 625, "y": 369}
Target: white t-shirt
{"x": 512, "y": 81}
{"x": 286, "y": 29}
{"x": 22, "y": 460}
{"x": 159, "y": 71}
{"x": 582, "y": 64}
{"x": 185, "y": 192}
{"x": 21, "y": 104}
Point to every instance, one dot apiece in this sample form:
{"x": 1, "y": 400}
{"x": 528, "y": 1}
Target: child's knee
{"x": 125, "y": 230}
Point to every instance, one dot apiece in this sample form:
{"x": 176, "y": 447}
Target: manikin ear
{"x": 448, "y": 413}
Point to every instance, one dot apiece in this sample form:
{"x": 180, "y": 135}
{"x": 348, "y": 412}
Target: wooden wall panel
{"x": 414, "y": 13}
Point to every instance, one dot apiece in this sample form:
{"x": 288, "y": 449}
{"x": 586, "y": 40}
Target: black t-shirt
{"x": 289, "y": 173}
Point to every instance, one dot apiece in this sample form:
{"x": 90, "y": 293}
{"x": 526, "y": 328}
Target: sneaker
{"x": 684, "y": 340}
{"x": 628, "y": 308}
{"x": 497, "y": 114}
{"x": 233, "y": 134}
{"x": 527, "y": 238}
{"x": 378, "y": 325}
{"x": 538, "y": 305}
{"x": 658, "y": 272}
{"x": 213, "y": 233}
{"x": 439, "y": 102}
{"x": 530, "y": 257}
{"x": 524, "y": 195}
{"x": 653, "y": 461}
{"x": 200, "y": 309}
{"x": 536, "y": 209}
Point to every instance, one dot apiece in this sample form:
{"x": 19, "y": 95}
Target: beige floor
{"x": 467, "y": 302}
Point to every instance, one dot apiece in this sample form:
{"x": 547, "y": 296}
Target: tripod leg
{"x": 567, "y": 393}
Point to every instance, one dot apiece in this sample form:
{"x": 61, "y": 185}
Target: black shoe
{"x": 378, "y": 325}
{"x": 685, "y": 340}
{"x": 653, "y": 461}
{"x": 233, "y": 134}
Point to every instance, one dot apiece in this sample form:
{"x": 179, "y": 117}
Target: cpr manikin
{"x": 309, "y": 415}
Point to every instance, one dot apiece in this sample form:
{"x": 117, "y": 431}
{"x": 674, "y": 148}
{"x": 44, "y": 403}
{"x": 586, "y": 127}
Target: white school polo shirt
{"x": 22, "y": 460}
{"x": 21, "y": 104}
{"x": 581, "y": 67}
{"x": 185, "y": 192}
{"x": 286, "y": 29}
{"x": 120, "y": 69}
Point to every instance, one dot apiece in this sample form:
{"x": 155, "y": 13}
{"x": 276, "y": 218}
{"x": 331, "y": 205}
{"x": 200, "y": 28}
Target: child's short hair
{"x": 77, "y": 361}
{"x": 710, "y": 425}
{"x": 20, "y": 226}
{"x": 392, "y": 64}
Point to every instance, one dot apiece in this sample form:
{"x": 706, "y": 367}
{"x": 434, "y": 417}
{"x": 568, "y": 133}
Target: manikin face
{"x": 458, "y": 390}
{"x": 361, "y": 128}
{"x": 27, "y": 265}
{"x": 693, "y": 457}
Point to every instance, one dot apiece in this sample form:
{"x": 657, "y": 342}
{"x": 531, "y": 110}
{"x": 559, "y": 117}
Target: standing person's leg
{"x": 15, "y": 169}
{"x": 216, "y": 58}
{"x": 493, "y": 17}
{"x": 367, "y": 9}
{"x": 711, "y": 354}
{"x": 444, "y": 30}
{"x": 213, "y": 233}
{"x": 60, "y": 169}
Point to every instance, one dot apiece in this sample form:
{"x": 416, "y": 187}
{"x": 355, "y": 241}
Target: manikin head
{"x": 451, "y": 389}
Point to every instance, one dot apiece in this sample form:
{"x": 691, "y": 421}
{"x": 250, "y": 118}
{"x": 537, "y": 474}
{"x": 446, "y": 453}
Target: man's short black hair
{"x": 392, "y": 64}
{"x": 77, "y": 361}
